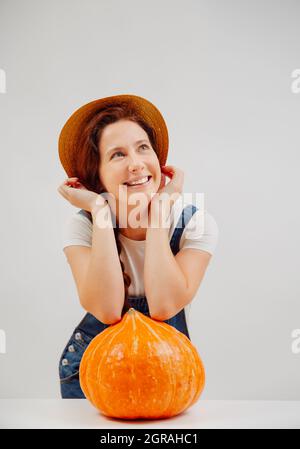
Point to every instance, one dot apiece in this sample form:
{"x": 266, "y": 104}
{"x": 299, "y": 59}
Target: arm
{"x": 98, "y": 274}
{"x": 165, "y": 283}
{"x": 171, "y": 281}
{"x": 103, "y": 290}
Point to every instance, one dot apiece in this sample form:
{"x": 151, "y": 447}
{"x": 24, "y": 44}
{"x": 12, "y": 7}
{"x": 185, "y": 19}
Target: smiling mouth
{"x": 139, "y": 184}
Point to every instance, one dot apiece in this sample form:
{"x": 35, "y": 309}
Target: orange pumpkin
{"x": 141, "y": 368}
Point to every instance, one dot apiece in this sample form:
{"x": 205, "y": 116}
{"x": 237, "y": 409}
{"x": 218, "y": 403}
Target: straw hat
{"x": 70, "y": 133}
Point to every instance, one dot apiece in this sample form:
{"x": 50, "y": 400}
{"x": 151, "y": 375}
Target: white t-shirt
{"x": 201, "y": 232}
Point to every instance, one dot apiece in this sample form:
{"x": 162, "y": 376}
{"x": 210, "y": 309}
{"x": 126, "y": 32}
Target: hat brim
{"x": 72, "y": 130}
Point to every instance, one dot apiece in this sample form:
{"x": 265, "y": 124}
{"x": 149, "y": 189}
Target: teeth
{"x": 141, "y": 181}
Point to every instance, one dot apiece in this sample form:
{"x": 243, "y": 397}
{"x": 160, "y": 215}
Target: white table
{"x": 80, "y": 413}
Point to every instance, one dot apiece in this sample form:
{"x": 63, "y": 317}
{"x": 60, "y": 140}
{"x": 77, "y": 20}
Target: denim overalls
{"x": 89, "y": 326}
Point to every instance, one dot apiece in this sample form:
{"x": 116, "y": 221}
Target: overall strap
{"x": 183, "y": 220}
{"x": 86, "y": 214}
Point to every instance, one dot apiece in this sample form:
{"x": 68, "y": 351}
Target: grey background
{"x": 220, "y": 73}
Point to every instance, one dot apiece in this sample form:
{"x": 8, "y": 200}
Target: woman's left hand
{"x": 171, "y": 191}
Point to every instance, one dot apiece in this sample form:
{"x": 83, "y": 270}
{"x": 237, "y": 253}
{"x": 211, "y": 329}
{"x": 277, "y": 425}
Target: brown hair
{"x": 88, "y": 160}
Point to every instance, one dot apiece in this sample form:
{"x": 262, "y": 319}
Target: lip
{"x": 140, "y": 186}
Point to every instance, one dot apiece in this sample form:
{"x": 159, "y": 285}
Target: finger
{"x": 168, "y": 174}
{"x": 176, "y": 173}
{"x": 168, "y": 167}
{"x": 172, "y": 168}
{"x": 169, "y": 170}
{"x": 65, "y": 185}
{"x": 62, "y": 192}
{"x": 70, "y": 180}
{"x": 73, "y": 184}
{"x": 66, "y": 189}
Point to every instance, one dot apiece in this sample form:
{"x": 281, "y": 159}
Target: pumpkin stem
{"x": 131, "y": 310}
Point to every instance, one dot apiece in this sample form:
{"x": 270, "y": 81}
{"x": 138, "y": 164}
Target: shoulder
{"x": 77, "y": 230}
{"x": 201, "y": 230}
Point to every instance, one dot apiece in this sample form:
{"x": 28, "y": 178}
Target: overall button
{"x": 64, "y": 362}
{"x": 71, "y": 348}
{"x": 78, "y": 336}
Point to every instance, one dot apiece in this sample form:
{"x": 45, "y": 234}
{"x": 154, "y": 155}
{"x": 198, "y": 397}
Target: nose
{"x": 135, "y": 164}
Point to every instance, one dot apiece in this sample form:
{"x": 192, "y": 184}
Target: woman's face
{"x": 126, "y": 155}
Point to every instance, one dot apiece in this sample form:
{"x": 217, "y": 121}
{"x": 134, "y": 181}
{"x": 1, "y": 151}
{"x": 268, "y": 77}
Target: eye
{"x": 120, "y": 152}
{"x": 117, "y": 152}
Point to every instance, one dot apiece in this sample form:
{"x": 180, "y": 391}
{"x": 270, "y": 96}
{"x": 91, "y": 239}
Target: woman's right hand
{"x": 79, "y": 196}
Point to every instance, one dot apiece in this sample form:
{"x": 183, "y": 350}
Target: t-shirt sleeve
{"x": 201, "y": 232}
{"x": 77, "y": 231}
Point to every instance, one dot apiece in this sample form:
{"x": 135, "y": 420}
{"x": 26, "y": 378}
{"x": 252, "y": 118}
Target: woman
{"x": 114, "y": 150}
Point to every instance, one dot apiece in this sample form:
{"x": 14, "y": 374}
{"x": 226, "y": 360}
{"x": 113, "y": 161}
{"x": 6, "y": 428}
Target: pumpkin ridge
{"x": 183, "y": 340}
{"x": 169, "y": 348}
{"x": 83, "y": 367}
{"x": 123, "y": 325}
{"x": 98, "y": 375}
{"x": 90, "y": 359}
{"x": 200, "y": 375}
{"x": 196, "y": 390}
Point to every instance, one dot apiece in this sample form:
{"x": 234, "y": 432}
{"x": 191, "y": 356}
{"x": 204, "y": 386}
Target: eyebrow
{"x": 121, "y": 148}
